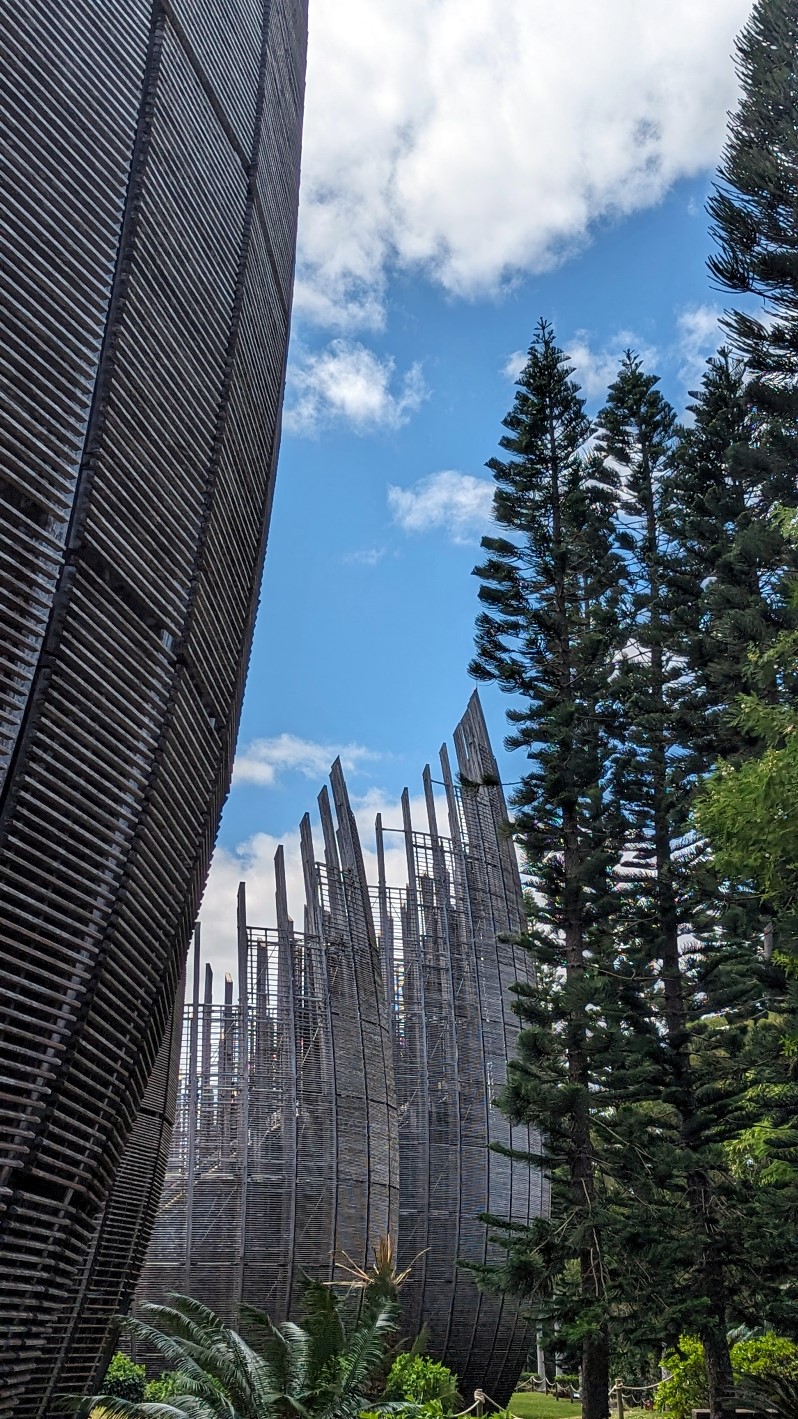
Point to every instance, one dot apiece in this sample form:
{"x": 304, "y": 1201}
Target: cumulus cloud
{"x": 457, "y": 502}
{"x": 595, "y": 369}
{"x": 514, "y": 364}
{"x": 698, "y": 335}
{"x": 347, "y": 383}
{"x": 364, "y": 557}
{"x": 263, "y": 760}
{"x": 476, "y": 139}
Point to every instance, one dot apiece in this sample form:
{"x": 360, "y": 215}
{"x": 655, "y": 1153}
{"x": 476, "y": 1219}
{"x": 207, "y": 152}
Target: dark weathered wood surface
{"x": 296, "y": 1154}
{"x": 149, "y": 211}
{"x": 359, "y": 1041}
{"x": 454, "y": 1031}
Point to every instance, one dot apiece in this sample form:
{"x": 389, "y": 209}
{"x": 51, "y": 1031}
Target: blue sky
{"x": 470, "y": 165}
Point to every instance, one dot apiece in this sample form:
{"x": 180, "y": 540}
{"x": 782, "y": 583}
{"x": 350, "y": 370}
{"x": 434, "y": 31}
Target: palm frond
{"x": 366, "y": 1349}
{"x": 773, "y": 1395}
{"x": 298, "y": 1351}
{"x": 179, "y": 1352}
{"x": 321, "y": 1317}
{"x": 195, "y": 1408}
{"x": 198, "y": 1386}
{"x": 184, "y": 1317}
{"x": 195, "y": 1311}
{"x": 109, "y": 1406}
{"x": 260, "y": 1374}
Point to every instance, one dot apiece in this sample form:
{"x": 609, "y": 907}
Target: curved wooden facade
{"x": 300, "y": 1163}
{"x": 150, "y": 206}
{"x": 358, "y": 1098}
{"x": 446, "y": 949}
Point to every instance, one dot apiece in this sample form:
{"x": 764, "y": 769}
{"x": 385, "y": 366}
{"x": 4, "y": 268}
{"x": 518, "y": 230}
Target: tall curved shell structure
{"x": 452, "y": 950}
{"x": 349, "y": 1090}
{"x": 152, "y": 152}
{"x": 285, "y": 1154}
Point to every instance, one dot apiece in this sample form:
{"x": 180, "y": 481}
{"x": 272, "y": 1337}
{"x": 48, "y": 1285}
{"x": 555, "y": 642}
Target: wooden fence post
{"x": 619, "y": 1397}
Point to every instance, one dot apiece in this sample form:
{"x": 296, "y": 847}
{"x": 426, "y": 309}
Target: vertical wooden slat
{"x": 386, "y": 922}
{"x": 313, "y": 923}
{"x": 421, "y": 1067}
{"x": 151, "y": 157}
{"x": 193, "y": 1103}
{"x": 286, "y": 1016}
{"x": 206, "y": 1104}
{"x": 242, "y": 1085}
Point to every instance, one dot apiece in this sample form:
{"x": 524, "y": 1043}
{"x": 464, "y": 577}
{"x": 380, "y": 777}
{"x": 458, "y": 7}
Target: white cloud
{"x": 596, "y": 369}
{"x": 514, "y": 364}
{"x": 364, "y": 557}
{"x": 348, "y": 383}
{"x": 698, "y": 335}
{"x": 476, "y": 139}
{"x": 457, "y": 502}
{"x": 263, "y": 760}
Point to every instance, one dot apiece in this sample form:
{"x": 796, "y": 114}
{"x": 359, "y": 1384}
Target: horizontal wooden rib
{"x": 326, "y": 1091}
{"x": 147, "y": 447}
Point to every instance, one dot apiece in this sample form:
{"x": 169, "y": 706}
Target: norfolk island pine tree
{"x": 549, "y": 592}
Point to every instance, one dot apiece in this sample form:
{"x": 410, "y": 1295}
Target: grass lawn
{"x": 545, "y": 1406}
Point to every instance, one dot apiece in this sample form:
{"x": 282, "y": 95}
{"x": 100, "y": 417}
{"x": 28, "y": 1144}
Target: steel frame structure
{"x": 349, "y": 1091}
{"x": 148, "y": 247}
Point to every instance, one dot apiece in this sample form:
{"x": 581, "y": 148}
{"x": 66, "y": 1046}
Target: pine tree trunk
{"x": 719, "y": 1372}
{"x": 713, "y": 1333}
{"x": 699, "y": 1185}
{"x": 595, "y": 1346}
{"x": 595, "y": 1390}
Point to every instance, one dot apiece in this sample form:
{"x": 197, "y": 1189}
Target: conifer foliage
{"x": 753, "y": 208}
{"x": 640, "y": 604}
{"x": 547, "y": 632}
{"x": 635, "y": 1054}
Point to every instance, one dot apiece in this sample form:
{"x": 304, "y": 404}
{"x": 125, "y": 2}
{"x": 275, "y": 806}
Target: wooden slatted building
{"x": 285, "y": 1150}
{"x": 149, "y": 204}
{"x": 348, "y": 1091}
{"x": 452, "y": 952}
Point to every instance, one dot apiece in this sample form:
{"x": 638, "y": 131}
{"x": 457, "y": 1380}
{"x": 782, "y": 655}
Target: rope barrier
{"x": 480, "y": 1400}
{"x": 636, "y": 1389}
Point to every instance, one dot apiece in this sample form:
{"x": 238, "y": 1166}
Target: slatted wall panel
{"x": 151, "y": 217}
{"x": 296, "y": 1160}
{"x": 271, "y": 1160}
{"x": 71, "y": 94}
{"x": 355, "y": 1044}
{"x": 454, "y": 1031}
{"x": 315, "y": 1200}
{"x": 120, "y": 1248}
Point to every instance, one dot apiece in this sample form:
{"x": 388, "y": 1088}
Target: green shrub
{"x": 409, "y": 1409}
{"x": 765, "y": 1357}
{"x": 421, "y": 1380}
{"x": 124, "y": 1379}
{"x": 160, "y": 1390}
{"x": 685, "y": 1388}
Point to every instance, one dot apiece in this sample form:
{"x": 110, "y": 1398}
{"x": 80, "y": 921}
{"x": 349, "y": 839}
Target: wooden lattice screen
{"x": 151, "y": 153}
{"x": 359, "y": 1048}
